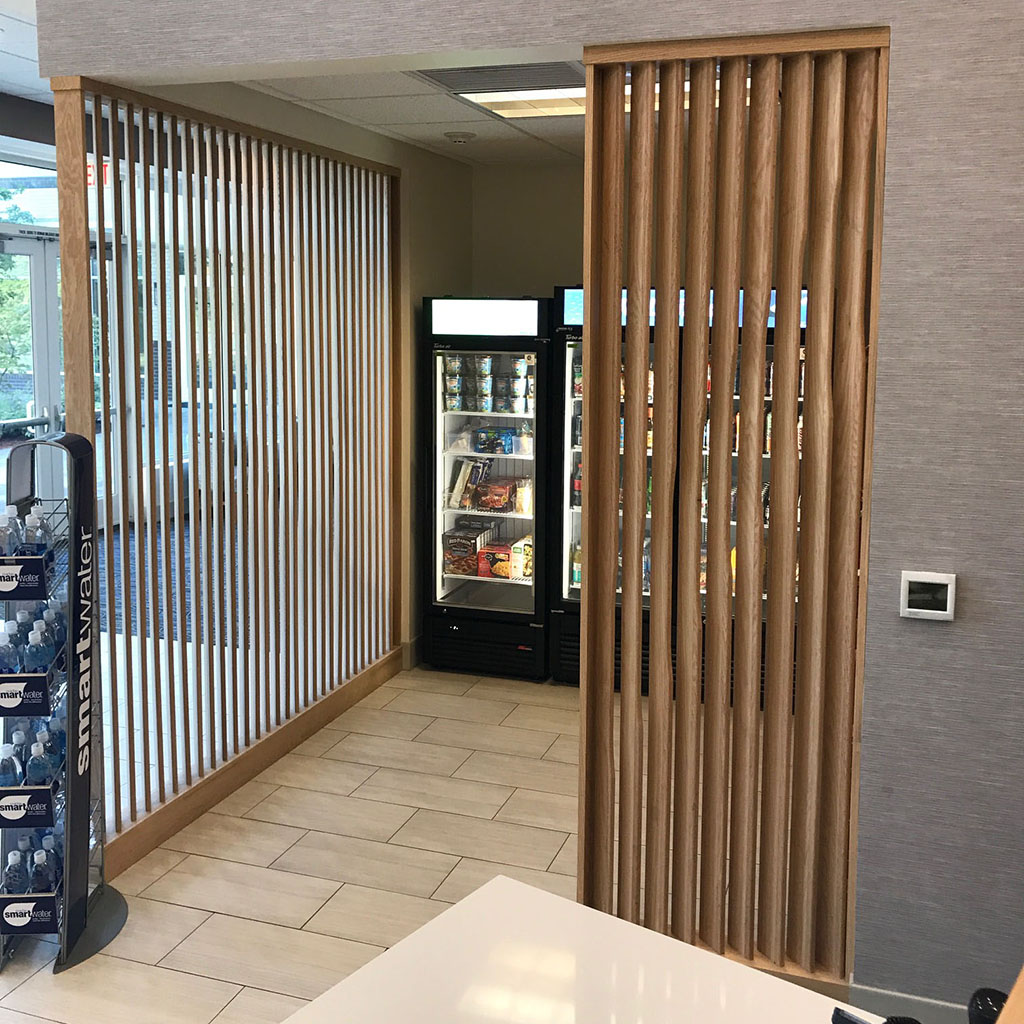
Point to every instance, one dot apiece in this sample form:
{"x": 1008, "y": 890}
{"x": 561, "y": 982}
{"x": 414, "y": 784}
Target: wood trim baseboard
{"x": 150, "y": 831}
{"x": 205, "y": 117}
{"x": 739, "y": 46}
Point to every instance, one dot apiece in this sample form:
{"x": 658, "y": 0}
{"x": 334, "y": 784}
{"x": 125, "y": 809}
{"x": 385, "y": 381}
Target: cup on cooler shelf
{"x": 485, "y": 385}
{"x": 518, "y": 403}
{"x": 518, "y": 386}
{"x": 453, "y": 365}
{"x": 453, "y": 403}
{"x": 501, "y": 386}
{"x": 453, "y": 384}
{"x": 484, "y": 403}
{"x": 483, "y": 365}
{"x": 519, "y": 367}
{"x": 502, "y": 403}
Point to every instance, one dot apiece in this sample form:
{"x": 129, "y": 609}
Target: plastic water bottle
{"x": 44, "y": 522}
{"x": 38, "y": 538}
{"x": 11, "y": 629}
{"x": 49, "y": 640}
{"x": 21, "y": 749}
{"x": 16, "y": 525}
{"x": 10, "y": 659}
{"x": 10, "y": 535}
{"x": 15, "y": 877}
{"x": 42, "y": 879}
{"x": 50, "y": 750}
{"x": 56, "y": 627}
{"x": 26, "y": 848}
{"x": 24, "y": 620}
{"x": 53, "y": 858}
{"x": 10, "y": 769}
{"x": 59, "y": 735}
{"x": 38, "y": 771}
{"x": 58, "y": 838}
{"x": 38, "y": 655}
{"x": 56, "y": 606}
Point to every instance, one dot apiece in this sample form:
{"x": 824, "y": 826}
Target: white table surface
{"x": 513, "y": 954}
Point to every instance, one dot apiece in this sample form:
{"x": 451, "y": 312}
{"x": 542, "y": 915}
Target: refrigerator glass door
{"x": 485, "y": 481}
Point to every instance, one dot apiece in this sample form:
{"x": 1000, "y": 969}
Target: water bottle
{"x": 11, "y": 511}
{"x": 15, "y": 878}
{"x": 59, "y": 735}
{"x": 53, "y": 858}
{"x": 38, "y": 510}
{"x": 26, "y": 848}
{"x": 38, "y": 539}
{"x": 10, "y": 535}
{"x": 10, "y": 659}
{"x": 56, "y": 627}
{"x": 38, "y": 771}
{"x": 49, "y": 640}
{"x": 37, "y": 656}
{"x": 42, "y": 879}
{"x": 21, "y": 748}
{"x": 58, "y": 839}
{"x": 50, "y": 750}
{"x": 24, "y": 620}
{"x": 10, "y": 769}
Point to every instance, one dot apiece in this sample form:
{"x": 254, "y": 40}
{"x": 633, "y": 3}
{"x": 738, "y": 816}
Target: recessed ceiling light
{"x": 460, "y": 138}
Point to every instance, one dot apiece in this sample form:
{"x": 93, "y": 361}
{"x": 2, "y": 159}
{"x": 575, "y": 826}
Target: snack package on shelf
{"x": 478, "y": 473}
{"x": 494, "y": 440}
{"x": 521, "y": 567}
{"x": 524, "y": 496}
{"x": 461, "y": 545}
{"x": 461, "y": 440}
{"x": 498, "y": 495}
{"x": 495, "y": 560}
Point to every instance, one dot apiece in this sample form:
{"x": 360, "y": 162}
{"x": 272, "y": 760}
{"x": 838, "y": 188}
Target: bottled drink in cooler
{"x": 576, "y": 498}
{"x": 10, "y": 660}
{"x": 577, "y": 565}
{"x": 15, "y": 876}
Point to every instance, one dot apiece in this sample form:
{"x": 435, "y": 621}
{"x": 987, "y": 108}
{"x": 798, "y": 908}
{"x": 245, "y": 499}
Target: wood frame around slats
{"x": 223, "y": 334}
{"x": 776, "y": 198}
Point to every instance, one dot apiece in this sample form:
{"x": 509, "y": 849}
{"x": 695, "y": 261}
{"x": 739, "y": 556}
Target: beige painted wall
{"x": 436, "y": 253}
{"x": 527, "y": 228}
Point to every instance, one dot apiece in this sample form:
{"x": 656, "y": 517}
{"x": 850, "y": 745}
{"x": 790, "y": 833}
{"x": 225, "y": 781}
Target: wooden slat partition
{"x": 243, "y": 346}
{"x": 757, "y": 480}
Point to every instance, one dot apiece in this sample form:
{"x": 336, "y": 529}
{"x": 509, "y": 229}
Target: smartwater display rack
{"x": 73, "y": 803}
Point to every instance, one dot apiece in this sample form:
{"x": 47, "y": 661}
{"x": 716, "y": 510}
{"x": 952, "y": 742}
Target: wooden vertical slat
{"x": 718, "y": 642}
{"x": 167, "y": 699}
{"x": 602, "y": 341}
{"x": 330, "y": 404}
{"x": 348, "y": 342}
{"x": 319, "y": 354}
{"x": 135, "y": 364}
{"x": 305, "y": 641}
{"x": 292, "y": 212}
{"x": 849, "y": 386}
{"x": 782, "y": 535}
{"x": 359, "y": 409}
{"x": 826, "y": 146}
{"x": 757, "y": 281}
{"x": 120, "y": 368}
{"x": 663, "y": 485}
{"x": 191, "y": 394}
{"x": 634, "y": 483}
{"x": 377, "y": 406}
{"x": 397, "y": 378}
{"x": 693, "y": 416}
{"x": 107, "y": 371}
{"x": 338, "y": 383}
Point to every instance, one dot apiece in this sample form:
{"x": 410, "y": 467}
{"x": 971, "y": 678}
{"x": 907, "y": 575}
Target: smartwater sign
{"x": 26, "y": 807}
{"x": 23, "y": 577}
{"x": 31, "y": 914}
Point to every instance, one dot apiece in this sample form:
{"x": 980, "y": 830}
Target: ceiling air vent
{"x": 506, "y": 78}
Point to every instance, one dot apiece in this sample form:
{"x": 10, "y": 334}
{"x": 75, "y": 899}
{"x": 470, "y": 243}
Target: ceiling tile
{"x": 389, "y": 110}
{"x": 327, "y": 87}
{"x": 18, "y": 37}
{"x": 485, "y": 130}
{"x": 525, "y": 150}
{"x": 555, "y": 129}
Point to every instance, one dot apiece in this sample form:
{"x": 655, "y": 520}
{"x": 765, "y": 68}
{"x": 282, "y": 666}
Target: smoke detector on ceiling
{"x": 460, "y": 138}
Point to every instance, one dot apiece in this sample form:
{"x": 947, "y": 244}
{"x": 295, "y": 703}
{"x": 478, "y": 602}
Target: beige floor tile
{"x": 254, "y": 1006}
{"x": 318, "y": 742}
{"x": 521, "y": 691}
{"x": 414, "y": 789}
{"x": 146, "y": 871}
{"x": 431, "y": 682}
{"x": 471, "y": 874}
{"x": 565, "y": 749}
{"x": 529, "y": 716}
{"x": 545, "y": 810}
{"x": 115, "y": 991}
{"x": 376, "y": 698}
{"x": 153, "y": 929}
{"x": 363, "y": 862}
{"x": 499, "y": 841}
{"x": 373, "y": 915}
{"x": 565, "y": 862}
{"x": 390, "y": 753}
{"x": 327, "y": 812}
{"x": 285, "y": 960}
{"x": 443, "y": 705}
{"x": 13, "y": 1017}
{"x": 525, "y": 772}
{"x": 248, "y": 842}
{"x": 30, "y": 956}
{"x": 244, "y": 798}
{"x": 380, "y": 723}
{"x": 316, "y": 773}
{"x": 477, "y": 736}
{"x": 242, "y": 890}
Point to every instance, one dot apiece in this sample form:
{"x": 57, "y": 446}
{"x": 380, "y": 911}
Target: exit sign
{"x": 90, "y": 173}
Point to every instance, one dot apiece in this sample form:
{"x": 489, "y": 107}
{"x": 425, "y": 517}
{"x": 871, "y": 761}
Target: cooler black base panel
{"x": 485, "y": 648}
{"x": 565, "y": 650}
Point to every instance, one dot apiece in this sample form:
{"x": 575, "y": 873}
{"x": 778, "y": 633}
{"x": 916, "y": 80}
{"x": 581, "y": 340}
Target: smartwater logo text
{"x": 10, "y": 577}
{"x": 83, "y": 648}
{"x": 19, "y": 915}
{"x": 14, "y": 694}
{"x": 20, "y": 805}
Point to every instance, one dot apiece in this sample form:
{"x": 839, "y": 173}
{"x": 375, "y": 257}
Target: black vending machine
{"x": 485, "y": 511}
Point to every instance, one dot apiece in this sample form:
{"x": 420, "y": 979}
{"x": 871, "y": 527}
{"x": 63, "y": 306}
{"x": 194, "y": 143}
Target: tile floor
{"x": 400, "y": 806}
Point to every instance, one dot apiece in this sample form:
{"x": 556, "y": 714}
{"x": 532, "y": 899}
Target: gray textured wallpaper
{"x": 940, "y": 884}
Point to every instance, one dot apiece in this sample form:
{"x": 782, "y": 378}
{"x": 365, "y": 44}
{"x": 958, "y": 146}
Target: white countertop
{"x": 512, "y": 954}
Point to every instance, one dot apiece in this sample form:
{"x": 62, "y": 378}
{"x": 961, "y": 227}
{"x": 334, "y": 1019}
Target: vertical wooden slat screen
{"x": 750, "y": 183}
{"x": 243, "y": 347}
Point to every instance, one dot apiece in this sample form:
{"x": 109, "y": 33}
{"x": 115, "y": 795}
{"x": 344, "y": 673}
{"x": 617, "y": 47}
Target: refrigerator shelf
{"x": 577, "y": 510}
{"x": 514, "y": 581}
{"x": 486, "y": 455}
{"x": 522, "y": 516}
{"x": 490, "y": 415}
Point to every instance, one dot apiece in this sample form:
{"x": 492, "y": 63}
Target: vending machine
{"x": 485, "y": 395}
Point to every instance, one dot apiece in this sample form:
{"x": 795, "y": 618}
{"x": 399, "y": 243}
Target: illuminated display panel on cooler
{"x": 486, "y": 318}
{"x": 572, "y": 308}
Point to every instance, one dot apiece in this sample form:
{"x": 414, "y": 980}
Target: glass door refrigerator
{"x": 485, "y": 514}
